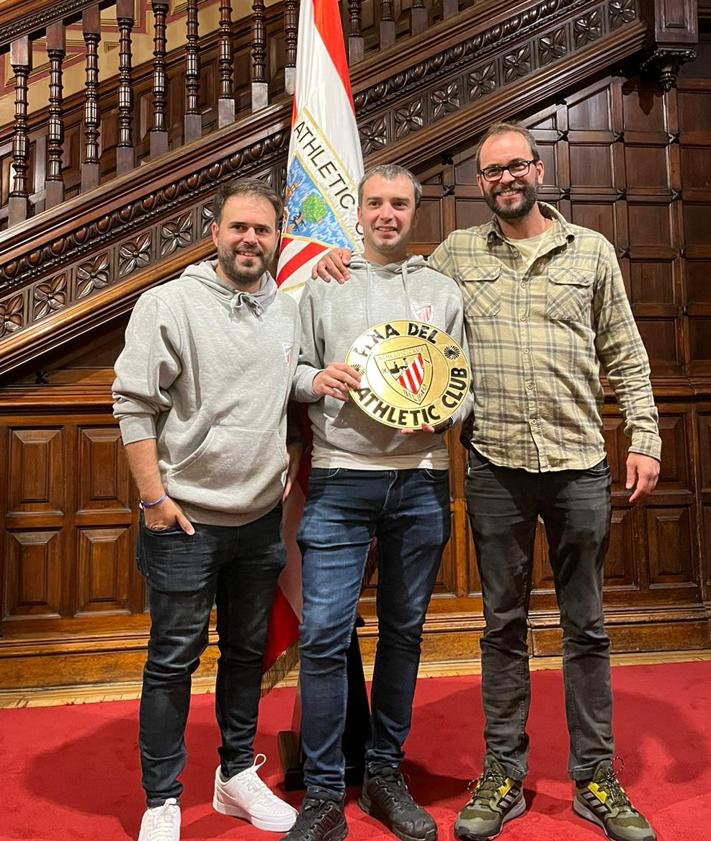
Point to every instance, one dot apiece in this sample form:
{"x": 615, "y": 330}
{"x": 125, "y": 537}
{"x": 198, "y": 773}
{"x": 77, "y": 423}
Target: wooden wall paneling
{"x": 671, "y": 514}
{"x": 703, "y": 465}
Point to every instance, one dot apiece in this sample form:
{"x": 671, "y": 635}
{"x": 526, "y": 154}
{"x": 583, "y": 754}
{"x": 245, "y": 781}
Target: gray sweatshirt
{"x": 333, "y": 316}
{"x": 206, "y": 371}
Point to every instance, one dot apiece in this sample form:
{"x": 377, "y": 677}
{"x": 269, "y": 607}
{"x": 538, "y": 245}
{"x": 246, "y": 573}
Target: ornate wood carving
{"x": 31, "y": 16}
{"x": 291, "y": 20}
{"x": 260, "y": 89}
{"x": 675, "y": 35}
{"x": 663, "y": 64}
{"x": 55, "y": 133}
{"x": 386, "y": 30}
{"x": 125, "y": 155}
{"x": 226, "y": 103}
{"x": 159, "y": 132}
{"x": 418, "y": 17}
{"x": 91, "y": 27}
{"x": 355, "y": 37}
{"x": 21, "y": 63}
{"x": 193, "y": 119}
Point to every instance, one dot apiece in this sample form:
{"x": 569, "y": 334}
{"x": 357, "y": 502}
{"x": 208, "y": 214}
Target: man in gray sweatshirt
{"x": 368, "y": 481}
{"x": 201, "y": 391}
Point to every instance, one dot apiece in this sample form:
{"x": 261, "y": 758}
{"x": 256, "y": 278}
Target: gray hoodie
{"x": 206, "y": 370}
{"x": 333, "y": 316}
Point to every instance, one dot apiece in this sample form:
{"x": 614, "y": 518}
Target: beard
{"x": 528, "y": 200}
{"x": 244, "y": 274}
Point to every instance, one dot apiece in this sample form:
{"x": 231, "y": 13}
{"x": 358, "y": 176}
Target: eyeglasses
{"x": 516, "y": 169}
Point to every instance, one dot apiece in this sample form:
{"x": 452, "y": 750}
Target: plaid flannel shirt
{"x": 538, "y": 338}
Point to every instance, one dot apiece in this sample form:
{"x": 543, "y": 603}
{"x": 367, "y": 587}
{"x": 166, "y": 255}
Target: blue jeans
{"x": 408, "y": 512}
{"x": 236, "y": 568}
{"x": 504, "y": 506}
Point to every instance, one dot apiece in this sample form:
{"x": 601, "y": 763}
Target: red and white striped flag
{"x": 321, "y": 202}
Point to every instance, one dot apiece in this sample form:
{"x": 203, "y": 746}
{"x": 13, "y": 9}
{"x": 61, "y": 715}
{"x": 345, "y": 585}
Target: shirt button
{"x": 526, "y": 350}
{"x": 524, "y": 317}
{"x": 523, "y": 283}
{"x": 529, "y": 384}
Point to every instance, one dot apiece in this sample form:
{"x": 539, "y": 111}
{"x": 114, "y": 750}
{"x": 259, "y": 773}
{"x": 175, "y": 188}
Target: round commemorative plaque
{"x": 411, "y": 373}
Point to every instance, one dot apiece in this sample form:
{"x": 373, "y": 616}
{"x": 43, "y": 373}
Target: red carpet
{"x": 71, "y": 773}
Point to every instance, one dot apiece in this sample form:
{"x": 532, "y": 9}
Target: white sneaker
{"x": 246, "y": 796}
{"x": 162, "y": 823}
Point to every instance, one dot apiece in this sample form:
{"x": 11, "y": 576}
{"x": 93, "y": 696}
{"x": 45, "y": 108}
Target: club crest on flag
{"x": 321, "y": 200}
{"x": 408, "y": 371}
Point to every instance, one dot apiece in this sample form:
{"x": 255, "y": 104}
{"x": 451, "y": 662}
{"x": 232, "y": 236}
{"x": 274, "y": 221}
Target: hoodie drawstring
{"x": 241, "y": 298}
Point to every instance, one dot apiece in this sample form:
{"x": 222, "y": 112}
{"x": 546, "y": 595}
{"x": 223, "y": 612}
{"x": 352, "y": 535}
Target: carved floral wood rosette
{"x": 143, "y": 224}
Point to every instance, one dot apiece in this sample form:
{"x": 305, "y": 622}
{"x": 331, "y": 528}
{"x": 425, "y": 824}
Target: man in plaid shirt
{"x": 546, "y": 310}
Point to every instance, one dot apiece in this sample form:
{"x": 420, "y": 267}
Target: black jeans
{"x": 236, "y": 568}
{"x": 504, "y": 506}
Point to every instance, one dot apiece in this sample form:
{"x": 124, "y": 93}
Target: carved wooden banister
{"x": 457, "y": 72}
{"x": 157, "y": 103}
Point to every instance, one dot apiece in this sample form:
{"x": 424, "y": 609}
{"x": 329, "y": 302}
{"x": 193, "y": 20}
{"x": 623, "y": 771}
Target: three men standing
{"x": 545, "y": 310}
{"x": 201, "y": 391}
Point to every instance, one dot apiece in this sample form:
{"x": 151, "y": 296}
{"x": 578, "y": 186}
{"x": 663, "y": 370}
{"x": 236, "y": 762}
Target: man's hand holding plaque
{"x": 336, "y": 380}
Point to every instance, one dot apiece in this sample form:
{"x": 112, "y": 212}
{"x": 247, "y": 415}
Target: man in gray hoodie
{"x": 368, "y": 481}
{"x": 201, "y": 391}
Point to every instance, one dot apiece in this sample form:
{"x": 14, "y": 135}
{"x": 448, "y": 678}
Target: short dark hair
{"x": 390, "y": 172}
{"x": 505, "y": 128}
{"x": 245, "y": 187}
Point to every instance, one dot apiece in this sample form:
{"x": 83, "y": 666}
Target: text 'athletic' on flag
{"x": 325, "y": 161}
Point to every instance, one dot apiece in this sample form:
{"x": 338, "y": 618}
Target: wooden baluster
{"x": 291, "y": 26}
{"x": 418, "y": 17}
{"x": 159, "y": 132}
{"x": 226, "y": 101}
{"x": 91, "y": 28}
{"x": 193, "y": 118}
{"x": 387, "y": 24}
{"x": 450, "y": 8}
{"x": 56, "y": 50}
{"x": 21, "y": 63}
{"x": 356, "y": 49}
{"x": 125, "y": 153}
{"x": 260, "y": 88}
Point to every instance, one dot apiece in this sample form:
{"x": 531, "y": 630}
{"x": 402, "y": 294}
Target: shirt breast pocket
{"x": 481, "y": 291}
{"x": 569, "y": 295}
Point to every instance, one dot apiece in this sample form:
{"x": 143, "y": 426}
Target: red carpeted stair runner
{"x": 71, "y": 773}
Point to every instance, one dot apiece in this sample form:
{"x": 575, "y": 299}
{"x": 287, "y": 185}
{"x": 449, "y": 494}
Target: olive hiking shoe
{"x": 496, "y": 799}
{"x": 604, "y": 802}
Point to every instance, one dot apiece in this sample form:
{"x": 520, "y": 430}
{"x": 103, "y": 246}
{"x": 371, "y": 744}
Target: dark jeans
{"x": 236, "y": 567}
{"x": 408, "y": 512}
{"x": 504, "y": 506}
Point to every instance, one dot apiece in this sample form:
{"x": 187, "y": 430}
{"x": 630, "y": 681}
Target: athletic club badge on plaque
{"x": 410, "y": 373}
